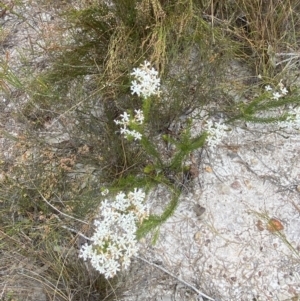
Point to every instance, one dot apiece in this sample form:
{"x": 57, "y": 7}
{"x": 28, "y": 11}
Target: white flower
{"x": 120, "y": 196}
{"x": 125, "y": 121}
{"x": 126, "y": 262}
{"x": 121, "y": 202}
{"x": 137, "y": 195}
{"x": 139, "y": 116}
{"x": 268, "y": 88}
{"x": 97, "y": 261}
{"x": 146, "y": 81}
{"x": 284, "y": 90}
{"x": 105, "y": 192}
{"x": 104, "y": 204}
{"x": 136, "y": 88}
{"x": 86, "y": 251}
{"x": 111, "y": 267}
{"x": 136, "y": 135}
{"x": 124, "y": 131}
{"x": 132, "y": 250}
{"x": 128, "y": 223}
{"x": 117, "y": 121}
{"x": 276, "y": 95}
{"x": 125, "y": 118}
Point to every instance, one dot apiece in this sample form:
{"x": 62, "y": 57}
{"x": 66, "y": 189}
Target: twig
{"x": 287, "y": 60}
{"x": 64, "y": 214}
{"x": 74, "y": 107}
{"x": 3, "y": 291}
{"x": 288, "y": 54}
{"x": 76, "y": 232}
{"x": 180, "y": 280}
{"x": 72, "y": 230}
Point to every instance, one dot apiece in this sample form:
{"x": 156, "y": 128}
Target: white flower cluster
{"x": 126, "y": 121}
{"x": 114, "y": 241}
{"x": 216, "y": 132}
{"x": 146, "y": 81}
{"x": 277, "y": 94}
{"x": 293, "y": 120}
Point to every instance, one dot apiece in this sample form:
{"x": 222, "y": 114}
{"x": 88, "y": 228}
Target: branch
{"x": 64, "y": 214}
{"x": 180, "y": 280}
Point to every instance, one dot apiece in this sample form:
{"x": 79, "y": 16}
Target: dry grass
{"x": 262, "y": 28}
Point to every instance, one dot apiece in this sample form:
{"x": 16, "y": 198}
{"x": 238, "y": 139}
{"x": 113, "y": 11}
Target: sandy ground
{"x": 249, "y": 188}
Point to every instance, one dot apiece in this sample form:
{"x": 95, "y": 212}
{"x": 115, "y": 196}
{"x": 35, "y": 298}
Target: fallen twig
{"x": 64, "y": 214}
{"x": 177, "y": 278}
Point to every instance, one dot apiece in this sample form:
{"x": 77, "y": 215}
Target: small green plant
{"x": 258, "y": 109}
{"x": 8, "y": 78}
{"x": 170, "y": 172}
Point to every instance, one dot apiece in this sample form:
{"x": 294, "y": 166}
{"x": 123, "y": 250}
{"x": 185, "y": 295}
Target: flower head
{"x": 282, "y": 91}
{"x": 146, "y": 81}
{"x": 216, "y": 132}
{"x": 113, "y": 242}
{"x": 276, "y": 95}
{"x": 139, "y": 116}
{"x": 126, "y": 121}
{"x": 268, "y": 88}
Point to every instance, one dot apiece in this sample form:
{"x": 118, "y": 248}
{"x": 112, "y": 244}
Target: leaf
{"x": 208, "y": 169}
{"x": 259, "y": 225}
{"x": 274, "y": 225}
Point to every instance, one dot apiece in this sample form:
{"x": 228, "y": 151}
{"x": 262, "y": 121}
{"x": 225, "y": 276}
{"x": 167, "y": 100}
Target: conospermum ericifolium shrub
{"x": 114, "y": 242}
